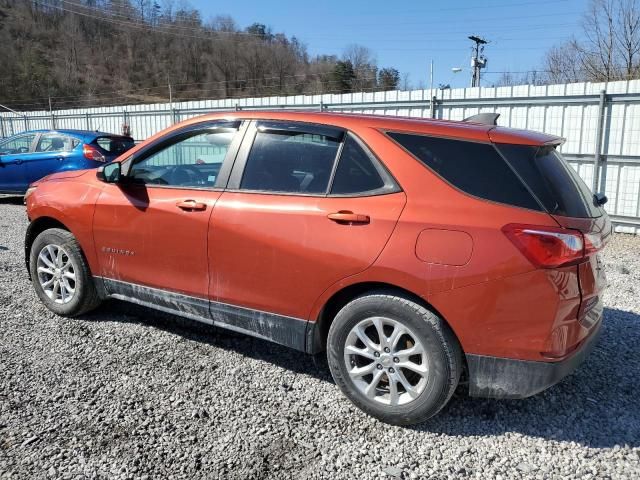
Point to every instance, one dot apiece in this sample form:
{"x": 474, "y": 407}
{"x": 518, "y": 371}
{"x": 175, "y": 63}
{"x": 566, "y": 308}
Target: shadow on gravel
{"x": 11, "y": 200}
{"x": 595, "y": 407}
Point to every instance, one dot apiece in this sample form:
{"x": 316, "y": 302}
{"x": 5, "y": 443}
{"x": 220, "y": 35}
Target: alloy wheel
{"x": 386, "y": 361}
{"x": 56, "y": 274}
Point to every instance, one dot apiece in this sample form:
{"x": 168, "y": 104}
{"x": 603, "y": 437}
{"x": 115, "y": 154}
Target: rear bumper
{"x": 497, "y": 377}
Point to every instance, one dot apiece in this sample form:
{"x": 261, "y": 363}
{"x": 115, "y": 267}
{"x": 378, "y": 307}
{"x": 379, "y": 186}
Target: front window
{"x": 193, "y": 159}
{"x": 17, "y": 145}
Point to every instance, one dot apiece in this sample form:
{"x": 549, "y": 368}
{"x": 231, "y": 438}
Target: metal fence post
{"x": 26, "y": 123}
{"x": 598, "y": 147}
{"x": 434, "y": 102}
{"x": 2, "y": 132}
{"x": 87, "y": 118}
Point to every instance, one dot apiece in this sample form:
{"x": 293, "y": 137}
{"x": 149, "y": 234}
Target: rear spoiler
{"x": 483, "y": 118}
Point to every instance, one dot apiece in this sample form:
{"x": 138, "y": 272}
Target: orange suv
{"x": 414, "y": 252}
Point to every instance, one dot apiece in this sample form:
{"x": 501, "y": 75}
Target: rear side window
{"x": 115, "y": 145}
{"x": 558, "y": 186}
{"x": 475, "y": 168}
{"x": 356, "y": 172}
{"x": 292, "y": 161}
{"x": 55, "y": 142}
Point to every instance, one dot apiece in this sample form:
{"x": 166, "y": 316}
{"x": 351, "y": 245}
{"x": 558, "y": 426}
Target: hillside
{"x": 109, "y": 52}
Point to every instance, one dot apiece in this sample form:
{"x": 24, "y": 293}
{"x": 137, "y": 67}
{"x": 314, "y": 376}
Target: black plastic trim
{"x": 281, "y": 329}
{"x": 497, "y": 377}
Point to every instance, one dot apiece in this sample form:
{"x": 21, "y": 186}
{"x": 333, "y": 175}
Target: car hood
{"x": 62, "y": 176}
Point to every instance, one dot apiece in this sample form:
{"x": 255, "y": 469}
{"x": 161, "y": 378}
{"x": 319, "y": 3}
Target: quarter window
{"x": 474, "y": 168}
{"x": 290, "y": 160}
{"x": 194, "y": 159}
{"x": 115, "y": 145}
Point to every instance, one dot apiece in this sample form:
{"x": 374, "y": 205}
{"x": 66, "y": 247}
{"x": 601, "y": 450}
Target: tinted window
{"x": 290, "y": 161}
{"x": 194, "y": 159}
{"x": 115, "y": 145}
{"x": 475, "y": 168}
{"x": 356, "y": 171}
{"x": 558, "y": 186}
{"x": 55, "y": 142}
{"x": 17, "y": 145}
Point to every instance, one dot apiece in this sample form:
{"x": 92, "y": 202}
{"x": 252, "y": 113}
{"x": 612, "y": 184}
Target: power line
{"x": 105, "y": 16}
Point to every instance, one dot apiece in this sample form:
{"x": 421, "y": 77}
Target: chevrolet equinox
{"x": 414, "y": 252}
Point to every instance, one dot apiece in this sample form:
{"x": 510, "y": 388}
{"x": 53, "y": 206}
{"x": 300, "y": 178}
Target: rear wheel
{"x": 393, "y": 358}
{"x": 60, "y": 273}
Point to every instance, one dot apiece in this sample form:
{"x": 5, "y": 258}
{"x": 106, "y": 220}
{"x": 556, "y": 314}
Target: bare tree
{"x": 562, "y": 63}
{"x": 364, "y": 66}
{"x": 609, "y": 48}
{"x": 627, "y": 36}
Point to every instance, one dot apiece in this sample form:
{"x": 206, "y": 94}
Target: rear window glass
{"x": 558, "y": 186}
{"x": 475, "y": 168}
{"x": 115, "y": 145}
{"x": 290, "y": 161}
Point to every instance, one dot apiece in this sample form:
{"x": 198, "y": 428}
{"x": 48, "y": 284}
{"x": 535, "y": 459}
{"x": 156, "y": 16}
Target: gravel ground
{"x": 126, "y": 392}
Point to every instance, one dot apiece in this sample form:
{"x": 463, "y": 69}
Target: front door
{"x": 14, "y": 152}
{"x": 150, "y": 230}
{"x": 292, "y": 223}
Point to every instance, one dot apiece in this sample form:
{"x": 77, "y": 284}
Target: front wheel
{"x": 393, "y": 358}
{"x": 60, "y": 274}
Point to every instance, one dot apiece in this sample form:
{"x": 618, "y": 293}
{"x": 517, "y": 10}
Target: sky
{"x": 408, "y": 35}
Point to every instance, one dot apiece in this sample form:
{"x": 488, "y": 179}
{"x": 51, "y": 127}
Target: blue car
{"x": 29, "y": 156}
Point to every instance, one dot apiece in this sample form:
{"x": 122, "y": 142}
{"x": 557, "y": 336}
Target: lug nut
{"x": 376, "y": 354}
{"x": 379, "y": 367}
{"x": 386, "y": 349}
{"x": 391, "y": 370}
{"x": 396, "y": 359}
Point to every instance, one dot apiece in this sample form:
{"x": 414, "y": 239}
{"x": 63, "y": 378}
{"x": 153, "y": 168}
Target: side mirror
{"x": 600, "y": 199}
{"x": 109, "y": 173}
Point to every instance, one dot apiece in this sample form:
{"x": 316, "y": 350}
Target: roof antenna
{"x": 483, "y": 118}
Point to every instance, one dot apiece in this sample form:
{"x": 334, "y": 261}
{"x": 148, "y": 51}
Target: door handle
{"x": 18, "y": 162}
{"x": 345, "y": 217}
{"x": 60, "y": 158}
{"x": 191, "y": 205}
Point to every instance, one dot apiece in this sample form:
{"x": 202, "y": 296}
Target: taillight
{"x": 547, "y": 247}
{"x": 92, "y": 153}
{"x": 594, "y": 242}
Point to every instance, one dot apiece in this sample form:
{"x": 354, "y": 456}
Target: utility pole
{"x": 172, "y": 113}
{"x": 432, "y": 104}
{"x": 53, "y": 120}
{"x": 478, "y": 60}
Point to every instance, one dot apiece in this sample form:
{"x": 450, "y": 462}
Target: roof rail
{"x": 484, "y": 118}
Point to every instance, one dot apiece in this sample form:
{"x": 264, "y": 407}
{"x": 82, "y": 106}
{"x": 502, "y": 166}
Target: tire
{"x": 432, "y": 376}
{"x": 81, "y": 294}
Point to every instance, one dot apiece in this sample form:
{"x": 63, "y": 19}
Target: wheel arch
{"x": 317, "y": 334}
{"x": 35, "y": 228}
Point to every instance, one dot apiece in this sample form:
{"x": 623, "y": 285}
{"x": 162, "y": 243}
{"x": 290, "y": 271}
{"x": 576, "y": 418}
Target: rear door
{"x": 306, "y": 206}
{"x": 14, "y": 152}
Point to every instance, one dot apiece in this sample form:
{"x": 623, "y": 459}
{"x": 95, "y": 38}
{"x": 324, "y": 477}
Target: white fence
{"x": 601, "y": 122}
